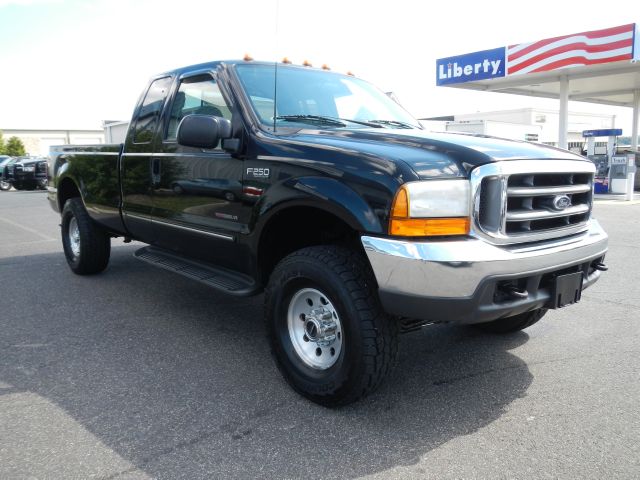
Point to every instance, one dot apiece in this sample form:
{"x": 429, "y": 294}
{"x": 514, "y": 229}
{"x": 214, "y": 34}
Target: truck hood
{"x": 431, "y": 154}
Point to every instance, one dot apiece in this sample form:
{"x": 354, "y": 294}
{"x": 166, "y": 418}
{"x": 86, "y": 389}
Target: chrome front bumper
{"x": 425, "y": 279}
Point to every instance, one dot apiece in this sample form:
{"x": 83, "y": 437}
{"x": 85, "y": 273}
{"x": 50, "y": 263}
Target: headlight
{"x": 430, "y": 208}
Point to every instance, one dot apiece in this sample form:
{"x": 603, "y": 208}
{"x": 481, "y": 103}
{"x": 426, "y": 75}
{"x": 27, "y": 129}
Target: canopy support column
{"x": 634, "y": 140}
{"x": 563, "y": 124}
{"x": 636, "y": 119}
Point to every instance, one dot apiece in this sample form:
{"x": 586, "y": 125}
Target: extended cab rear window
{"x": 149, "y": 113}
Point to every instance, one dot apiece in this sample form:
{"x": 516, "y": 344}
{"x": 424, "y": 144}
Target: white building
{"x": 543, "y": 120}
{"x": 115, "y": 131}
{"x": 37, "y": 141}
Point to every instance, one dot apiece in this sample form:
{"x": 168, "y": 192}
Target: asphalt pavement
{"x": 138, "y": 373}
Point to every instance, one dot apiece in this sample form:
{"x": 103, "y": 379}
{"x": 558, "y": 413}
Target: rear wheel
{"x": 329, "y": 335}
{"x": 87, "y": 247}
{"x": 513, "y": 324}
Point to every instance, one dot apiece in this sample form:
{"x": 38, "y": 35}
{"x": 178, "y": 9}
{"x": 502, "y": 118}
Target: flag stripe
{"x": 516, "y": 51}
{"x": 623, "y": 39}
{"x": 574, "y": 61}
{"x": 612, "y": 49}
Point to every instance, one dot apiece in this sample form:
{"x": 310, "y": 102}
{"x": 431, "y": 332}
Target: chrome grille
{"x": 521, "y": 201}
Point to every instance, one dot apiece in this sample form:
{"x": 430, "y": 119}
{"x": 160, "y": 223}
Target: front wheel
{"x": 87, "y": 247}
{"x": 4, "y": 186}
{"x": 329, "y": 335}
{"x": 512, "y": 324}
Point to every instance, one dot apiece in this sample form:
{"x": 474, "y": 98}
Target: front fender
{"x": 326, "y": 194}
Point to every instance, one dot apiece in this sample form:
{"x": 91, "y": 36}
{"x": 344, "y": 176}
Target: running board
{"x": 216, "y": 277}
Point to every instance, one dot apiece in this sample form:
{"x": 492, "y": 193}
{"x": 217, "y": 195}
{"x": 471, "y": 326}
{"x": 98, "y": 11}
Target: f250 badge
{"x": 258, "y": 172}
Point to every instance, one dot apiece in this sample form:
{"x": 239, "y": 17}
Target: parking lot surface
{"x": 138, "y": 373}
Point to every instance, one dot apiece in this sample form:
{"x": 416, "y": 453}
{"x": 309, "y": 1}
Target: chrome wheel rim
{"x": 73, "y": 234}
{"x": 314, "y": 328}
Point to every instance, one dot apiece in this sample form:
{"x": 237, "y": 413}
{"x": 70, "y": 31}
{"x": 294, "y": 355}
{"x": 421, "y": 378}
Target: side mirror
{"x": 203, "y": 131}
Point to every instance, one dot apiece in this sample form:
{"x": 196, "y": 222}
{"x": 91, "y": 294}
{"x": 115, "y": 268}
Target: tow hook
{"x": 600, "y": 266}
{"x": 515, "y": 292}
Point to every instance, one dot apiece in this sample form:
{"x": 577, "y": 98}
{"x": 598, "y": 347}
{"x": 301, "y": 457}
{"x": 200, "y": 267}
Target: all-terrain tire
{"x": 367, "y": 338}
{"x": 513, "y": 324}
{"x": 87, "y": 247}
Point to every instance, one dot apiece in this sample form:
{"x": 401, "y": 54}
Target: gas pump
{"x": 622, "y": 174}
{"x": 603, "y": 160}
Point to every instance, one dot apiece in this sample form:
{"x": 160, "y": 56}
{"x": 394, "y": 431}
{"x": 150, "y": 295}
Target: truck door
{"x": 198, "y": 205}
{"x": 137, "y": 164}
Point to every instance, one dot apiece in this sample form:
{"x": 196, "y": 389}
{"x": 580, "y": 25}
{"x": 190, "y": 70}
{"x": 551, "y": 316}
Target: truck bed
{"x": 97, "y": 170}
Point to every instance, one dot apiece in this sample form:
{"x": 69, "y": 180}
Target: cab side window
{"x": 196, "y": 95}
{"x": 150, "y": 110}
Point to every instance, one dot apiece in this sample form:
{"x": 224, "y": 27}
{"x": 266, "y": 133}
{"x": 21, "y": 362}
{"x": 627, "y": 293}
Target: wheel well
{"x": 66, "y": 190}
{"x": 300, "y": 227}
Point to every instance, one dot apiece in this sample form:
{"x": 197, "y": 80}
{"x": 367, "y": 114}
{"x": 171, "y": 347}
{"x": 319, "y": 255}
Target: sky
{"x": 67, "y": 64}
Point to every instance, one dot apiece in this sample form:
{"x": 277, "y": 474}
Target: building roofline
{"x": 35, "y": 130}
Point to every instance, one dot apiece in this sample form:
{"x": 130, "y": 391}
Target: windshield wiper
{"x": 362, "y": 122}
{"x": 337, "y": 121}
{"x": 314, "y": 119}
{"x": 394, "y": 123}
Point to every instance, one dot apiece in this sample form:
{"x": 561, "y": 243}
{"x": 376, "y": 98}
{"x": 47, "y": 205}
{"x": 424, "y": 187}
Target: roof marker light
{"x": 307, "y": 63}
{"x": 286, "y": 60}
{"x": 325, "y": 67}
{"x": 247, "y": 57}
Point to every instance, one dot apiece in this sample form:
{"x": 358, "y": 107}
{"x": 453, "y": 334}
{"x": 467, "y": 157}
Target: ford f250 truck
{"x": 319, "y": 190}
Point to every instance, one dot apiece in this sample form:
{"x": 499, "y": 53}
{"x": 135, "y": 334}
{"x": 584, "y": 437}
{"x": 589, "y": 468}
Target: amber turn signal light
{"x": 426, "y": 227}
{"x": 400, "y": 207}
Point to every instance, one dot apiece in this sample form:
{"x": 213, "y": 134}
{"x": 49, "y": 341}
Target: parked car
{"x": 27, "y": 173}
{"x": 214, "y": 187}
{"x": 5, "y": 160}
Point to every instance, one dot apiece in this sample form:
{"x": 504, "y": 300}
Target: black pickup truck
{"x": 24, "y": 173}
{"x": 320, "y": 190}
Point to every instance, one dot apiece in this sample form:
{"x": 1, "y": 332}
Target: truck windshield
{"x": 320, "y": 98}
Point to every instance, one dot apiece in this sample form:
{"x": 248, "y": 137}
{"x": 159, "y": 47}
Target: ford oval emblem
{"x": 560, "y": 202}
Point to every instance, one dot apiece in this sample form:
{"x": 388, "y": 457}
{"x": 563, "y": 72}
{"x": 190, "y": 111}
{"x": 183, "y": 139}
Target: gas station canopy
{"x": 601, "y": 66}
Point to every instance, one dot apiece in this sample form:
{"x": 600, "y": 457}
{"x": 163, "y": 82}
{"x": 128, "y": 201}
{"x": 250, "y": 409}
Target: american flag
{"x": 587, "y": 48}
